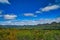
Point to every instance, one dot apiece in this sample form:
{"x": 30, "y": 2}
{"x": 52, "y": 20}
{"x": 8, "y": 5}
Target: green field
{"x": 29, "y": 34}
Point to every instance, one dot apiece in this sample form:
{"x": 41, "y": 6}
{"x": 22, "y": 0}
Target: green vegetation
{"x": 29, "y": 34}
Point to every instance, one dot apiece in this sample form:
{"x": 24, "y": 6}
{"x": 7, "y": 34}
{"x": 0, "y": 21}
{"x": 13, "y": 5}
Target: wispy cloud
{"x": 1, "y": 11}
{"x": 10, "y": 16}
{"x": 4, "y": 1}
{"x": 48, "y": 8}
{"x": 38, "y": 12}
{"x": 1, "y": 15}
{"x": 30, "y": 14}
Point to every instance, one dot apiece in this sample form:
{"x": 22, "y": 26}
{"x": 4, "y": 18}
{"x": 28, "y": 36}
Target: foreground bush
{"x": 26, "y": 34}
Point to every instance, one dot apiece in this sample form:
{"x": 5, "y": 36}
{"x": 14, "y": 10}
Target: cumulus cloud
{"x": 28, "y": 22}
{"x": 4, "y": 1}
{"x": 47, "y": 20}
{"x": 31, "y": 22}
{"x": 10, "y": 16}
{"x": 30, "y": 14}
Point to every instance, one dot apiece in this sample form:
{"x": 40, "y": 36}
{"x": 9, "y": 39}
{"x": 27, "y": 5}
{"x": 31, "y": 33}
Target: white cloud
{"x": 47, "y": 20}
{"x": 1, "y": 15}
{"x": 30, "y": 22}
{"x": 10, "y": 16}
{"x": 48, "y": 8}
{"x": 4, "y": 1}
{"x": 30, "y": 14}
{"x": 38, "y": 12}
{"x": 1, "y": 11}
{"x": 57, "y": 19}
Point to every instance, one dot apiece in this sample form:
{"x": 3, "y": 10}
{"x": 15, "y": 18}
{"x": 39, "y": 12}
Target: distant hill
{"x": 53, "y": 25}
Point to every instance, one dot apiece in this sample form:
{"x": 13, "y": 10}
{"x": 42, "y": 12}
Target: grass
{"x": 29, "y": 34}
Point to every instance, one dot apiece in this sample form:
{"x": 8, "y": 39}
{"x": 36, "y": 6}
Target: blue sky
{"x": 29, "y": 12}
